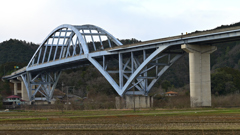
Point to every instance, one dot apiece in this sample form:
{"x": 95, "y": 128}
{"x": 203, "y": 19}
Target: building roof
{"x": 13, "y": 96}
{"x": 58, "y": 92}
{"x": 171, "y": 92}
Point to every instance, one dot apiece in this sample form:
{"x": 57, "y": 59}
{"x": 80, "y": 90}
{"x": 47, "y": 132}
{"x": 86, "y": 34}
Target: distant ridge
{"x": 219, "y": 27}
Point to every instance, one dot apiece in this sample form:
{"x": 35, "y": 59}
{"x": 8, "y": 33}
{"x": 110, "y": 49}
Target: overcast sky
{"x": 33, "y": 20}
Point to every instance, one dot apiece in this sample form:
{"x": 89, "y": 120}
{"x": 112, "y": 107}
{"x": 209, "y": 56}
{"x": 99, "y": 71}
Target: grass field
{"x": 157, "y": 121}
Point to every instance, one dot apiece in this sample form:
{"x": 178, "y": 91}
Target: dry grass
{"x": 231, "y": 100}
{"x": 105, "y": 102}
{"x": 172, "y": 102}
{"x": 183, "y": 101}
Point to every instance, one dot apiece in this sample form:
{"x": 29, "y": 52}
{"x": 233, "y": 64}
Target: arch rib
{"x": 67, "y": 26}
{"x": 111, "y": 37}
{"x": 80, "y": 38}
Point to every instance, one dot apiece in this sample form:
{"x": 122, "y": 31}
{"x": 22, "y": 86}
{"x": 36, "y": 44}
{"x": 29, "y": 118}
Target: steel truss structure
{"x": 139, "y": 69}
{"x": 43, "y": 82}
{"x": 70, "y": 46}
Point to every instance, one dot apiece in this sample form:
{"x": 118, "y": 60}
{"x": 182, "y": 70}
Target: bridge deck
{"x": 179, "y": 37}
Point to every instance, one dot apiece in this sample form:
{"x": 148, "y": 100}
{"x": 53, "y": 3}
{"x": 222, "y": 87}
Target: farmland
{"x": 152, "y": 121}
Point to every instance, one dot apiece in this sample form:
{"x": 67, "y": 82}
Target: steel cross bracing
{"x": 43, "y": 82}
{"x": 136, "y": 69}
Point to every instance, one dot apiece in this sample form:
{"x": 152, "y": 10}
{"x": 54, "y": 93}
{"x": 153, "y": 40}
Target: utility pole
{"x": 62, "y": 86}
{"x": 4, "y": 70}
{"x": 134, "y": 99}
{"x": 67, "y": 94}
{"x": 67, "y": 97}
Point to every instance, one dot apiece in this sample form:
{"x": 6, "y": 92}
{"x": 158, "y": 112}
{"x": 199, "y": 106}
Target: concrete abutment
{"x": 19, "y": 88}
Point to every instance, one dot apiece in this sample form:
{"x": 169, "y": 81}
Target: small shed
{"x": 13, "y": 101}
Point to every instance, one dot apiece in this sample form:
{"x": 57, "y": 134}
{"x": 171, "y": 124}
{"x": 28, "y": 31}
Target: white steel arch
{"x": 68, "y": 40}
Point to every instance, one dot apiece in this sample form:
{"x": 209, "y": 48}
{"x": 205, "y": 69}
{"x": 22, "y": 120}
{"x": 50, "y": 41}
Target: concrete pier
{"x": 16, "y": 86}
{"x": 20, "y": 88}
{"x": 129, "y": 101}
{"x": 199, "y": 70}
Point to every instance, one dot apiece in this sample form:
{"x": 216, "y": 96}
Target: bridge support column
{"x": 199, "y": 70}
{"x": 23, "y": 90}
{"x": 15, "y": 86}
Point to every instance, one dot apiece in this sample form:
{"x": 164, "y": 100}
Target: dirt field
{"x": 198, "y": 121}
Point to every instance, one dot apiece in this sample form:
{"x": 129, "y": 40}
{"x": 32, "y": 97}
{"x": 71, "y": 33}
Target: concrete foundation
{"x": 199, "y": 70}
{"x": 129, "y": 101}
{"x": 120, "y": 103}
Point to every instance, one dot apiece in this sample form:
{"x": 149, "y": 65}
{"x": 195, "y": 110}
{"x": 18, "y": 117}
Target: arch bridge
{"x": 137, "y": 66}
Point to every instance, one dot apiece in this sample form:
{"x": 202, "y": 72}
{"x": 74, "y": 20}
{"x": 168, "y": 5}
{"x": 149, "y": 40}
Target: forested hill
{"x": 16, "y": 51}
{"x": 220, "y": 27}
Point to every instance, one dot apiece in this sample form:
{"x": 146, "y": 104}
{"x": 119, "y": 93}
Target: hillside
{"x": 16, "y": 51}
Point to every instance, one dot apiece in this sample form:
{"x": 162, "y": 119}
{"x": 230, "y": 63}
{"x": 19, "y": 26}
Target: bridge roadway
{"x": 152, "y": 50}
{"x": 208, "y": 37}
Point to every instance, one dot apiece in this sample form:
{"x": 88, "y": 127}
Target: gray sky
{"x": 33, "y": 20}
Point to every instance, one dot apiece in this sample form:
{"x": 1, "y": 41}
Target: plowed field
{"x": 199, "y": 121}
